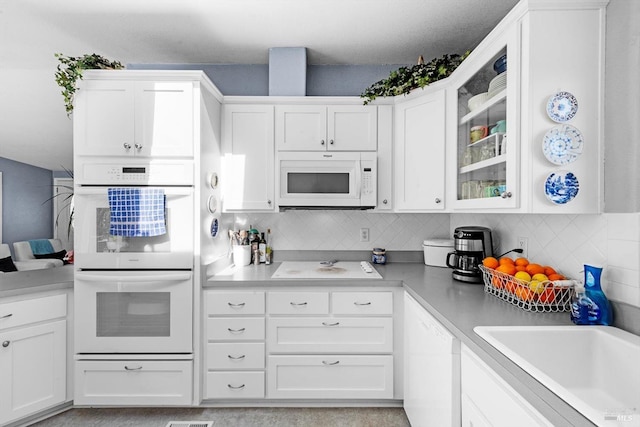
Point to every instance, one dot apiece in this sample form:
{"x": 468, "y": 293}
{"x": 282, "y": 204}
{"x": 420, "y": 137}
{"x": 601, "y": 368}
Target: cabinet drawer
{"x": 235, "y": 356}
{"x": 330, "y": 377}
{"x": 365, "y": 303}
{"x": 235, "y": 385}
{"x": 34, "y": 310}
{"x": 230, "y": 303}
{"x": 330, "y": 335}
{"x": 133, "y": 382}
{"x": 298, "y": 303}
{"x": 235, "y": 328}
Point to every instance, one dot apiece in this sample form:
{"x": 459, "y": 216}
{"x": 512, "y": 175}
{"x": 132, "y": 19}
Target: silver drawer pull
{"x": 6, "y": 315}
{"x": 236, "y": 331}
{"x": 324, "y": 362}
{"x": 362, "y": 303}
{"x": 235, "y": 357}
{"x": 236, "y": 305}
{"x": 235, "y": 387}
{"x": 298, "y": 303}
{"x": 330, "y": 324}
{"x": 132, "y": 369}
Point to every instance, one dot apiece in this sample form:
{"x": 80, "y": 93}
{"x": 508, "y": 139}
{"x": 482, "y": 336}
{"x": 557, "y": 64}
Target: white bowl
{"x": 477, "y": 100}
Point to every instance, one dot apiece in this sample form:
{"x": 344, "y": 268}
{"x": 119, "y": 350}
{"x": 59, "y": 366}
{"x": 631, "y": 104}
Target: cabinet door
{"x": 352, "y": 128}
{"x": 164, "y": 119}
{"x": 248, "y": 158}
{"x": 420, "y": 154}
{"x": 33, "y": 369}
{"x": 301, "y": 128}
{"x": 103, "y": 119}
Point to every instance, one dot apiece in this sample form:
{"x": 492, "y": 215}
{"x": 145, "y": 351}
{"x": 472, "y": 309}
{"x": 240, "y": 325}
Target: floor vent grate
{"x": 190, "y": 424}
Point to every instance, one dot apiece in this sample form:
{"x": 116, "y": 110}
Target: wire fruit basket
{"x": 552, "y": 297}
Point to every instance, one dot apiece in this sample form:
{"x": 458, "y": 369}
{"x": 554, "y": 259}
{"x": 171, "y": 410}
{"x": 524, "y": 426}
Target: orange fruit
{"x": 497, "y": 283}
{"x": 547, "y": 296}
{"x": 506, "y": 260}
{"x": 509, "y": 269}
{"x": 521, "y": 268}
{"x": 524, "y": 294}
{"x": 490, "y": 262}
{"x": 556, "y": 276}
{"x": 511, "y": 286}
{"x": 549, "y": 270}
{"x": 534, "y": 269}
{"x": 521, "y": 261}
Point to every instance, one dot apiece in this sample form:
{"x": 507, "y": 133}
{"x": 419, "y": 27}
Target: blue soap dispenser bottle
{"x": 600, "y": 312}
{"x": 580, "y": 306}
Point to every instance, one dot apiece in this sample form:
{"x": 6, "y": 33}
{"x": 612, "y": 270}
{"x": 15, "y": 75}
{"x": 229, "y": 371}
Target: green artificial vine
{"x": 70, "y": 69}
{"x": 405, "y": 79}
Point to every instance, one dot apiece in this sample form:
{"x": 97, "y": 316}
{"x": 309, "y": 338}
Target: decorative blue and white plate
{"x": 561, "y": 187}
{"x": 562, "y": 107}
{"x": 562, "y": 144}
{"x": 215, "y": 227}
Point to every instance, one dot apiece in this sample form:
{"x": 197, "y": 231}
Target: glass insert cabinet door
{"x": 486, "y": 149}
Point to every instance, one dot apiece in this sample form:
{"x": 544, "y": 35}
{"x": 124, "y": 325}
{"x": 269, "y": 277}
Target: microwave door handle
{"x": 358, "y": 179}
{"x": 167, "y": 277}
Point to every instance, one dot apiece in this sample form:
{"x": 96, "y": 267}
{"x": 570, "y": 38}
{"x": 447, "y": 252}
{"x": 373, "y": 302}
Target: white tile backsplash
{"x": 566, "y": 242}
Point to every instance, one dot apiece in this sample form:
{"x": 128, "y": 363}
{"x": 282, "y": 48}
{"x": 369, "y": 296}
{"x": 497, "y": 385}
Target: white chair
{"x": 23, "y": 253}
{"x": 35, "y": 264}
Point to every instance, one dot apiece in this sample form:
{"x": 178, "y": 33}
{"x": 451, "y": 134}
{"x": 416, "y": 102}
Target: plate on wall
{"x": 215, "y": 227}
{"x": 561, "y": 187}
{"x": 212, "y": 204}
{"x": 562, "y": 145}
{"x": 562, "y": 107}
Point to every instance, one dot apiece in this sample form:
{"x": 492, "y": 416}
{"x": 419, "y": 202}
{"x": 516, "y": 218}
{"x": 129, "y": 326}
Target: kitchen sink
{"x": 595, "y": 369}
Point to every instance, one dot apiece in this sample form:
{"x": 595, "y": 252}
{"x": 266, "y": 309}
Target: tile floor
{"x": 230, "y": 417}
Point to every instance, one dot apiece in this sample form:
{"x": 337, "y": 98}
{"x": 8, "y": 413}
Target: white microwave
{"x": 326, "y": 180}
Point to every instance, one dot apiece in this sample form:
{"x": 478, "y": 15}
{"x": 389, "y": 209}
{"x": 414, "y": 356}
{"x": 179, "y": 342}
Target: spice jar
{"x": 379, "y": 256}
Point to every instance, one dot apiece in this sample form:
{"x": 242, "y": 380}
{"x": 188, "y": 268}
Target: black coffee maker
{"x": 472, "y": 244}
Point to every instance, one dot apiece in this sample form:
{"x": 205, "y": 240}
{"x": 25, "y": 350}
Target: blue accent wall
{"x": 26, "y": 214}
{"x": 253, "y": 80}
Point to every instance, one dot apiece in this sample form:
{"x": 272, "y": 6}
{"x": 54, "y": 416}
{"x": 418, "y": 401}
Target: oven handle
{"x": 102, "y": 191}
{"x": 165, "y": 277}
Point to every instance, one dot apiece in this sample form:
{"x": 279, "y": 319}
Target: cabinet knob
{"x": 506, "y": 195}
{"x": 126, "y": 146}
{"x": 6, "y": 343}
{"x": 438, "y": 200}
{"x": 322, "y": 142}
{"x": 6, "y": 316}
{"x": 331, "y": 141}
{"x": 138, "y": 147}
{"x": 384, "y": 202}
{"x": 269, "y": 202}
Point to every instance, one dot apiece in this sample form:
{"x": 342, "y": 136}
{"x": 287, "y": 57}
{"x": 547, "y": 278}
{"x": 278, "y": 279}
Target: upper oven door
{"x": 319, "y": 179}
{"x": 96, "y": 247}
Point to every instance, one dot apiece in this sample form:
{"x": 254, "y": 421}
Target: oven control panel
{"x": 135, "y": 174}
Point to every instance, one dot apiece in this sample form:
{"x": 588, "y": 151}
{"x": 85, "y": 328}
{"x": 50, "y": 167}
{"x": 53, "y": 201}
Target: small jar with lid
{"x": 379, "y": 256}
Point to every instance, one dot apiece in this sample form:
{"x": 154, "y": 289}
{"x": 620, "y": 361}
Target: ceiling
{"x": 34, "y": 127}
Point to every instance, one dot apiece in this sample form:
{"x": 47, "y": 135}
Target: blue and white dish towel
{"x": 137, "y": 212}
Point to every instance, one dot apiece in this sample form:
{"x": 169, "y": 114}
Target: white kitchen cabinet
{"x": 326, "y": 128}
{"x": 134, "y": 118}
{"x": 419, "y": 157}
{"x": 33, "y": 351}
{"x": 248, "y": 174}
{"x": 385, "y": 158}
{"x": 133, "y": 382}
{"x": 508, "y": 171}
{"x": 234, "y": 344}
{"x": 431, "y": 369}
{"x": 487, "y": 400}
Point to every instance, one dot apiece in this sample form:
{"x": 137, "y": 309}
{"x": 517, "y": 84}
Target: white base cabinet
{"x": 33, "y": 351}
{"x": 330, "y": 377}
{"x": 133, "y": 382}
{"x": 488, "y": 401}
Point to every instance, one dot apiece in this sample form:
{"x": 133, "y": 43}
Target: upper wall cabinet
{"x": 134, "y": 118}
{"x": 248, "y": 172}
{"x": 326, "y": 128}
{"x": 530, "y": 138}
{"x": 419, "y": 157}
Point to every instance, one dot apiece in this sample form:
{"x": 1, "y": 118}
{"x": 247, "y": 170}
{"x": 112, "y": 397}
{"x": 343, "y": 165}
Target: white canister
{"x": 241, "y": 255}
{"x": 436, "y": 250}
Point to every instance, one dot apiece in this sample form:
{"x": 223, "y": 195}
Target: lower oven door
{"x": 133, "y": 311}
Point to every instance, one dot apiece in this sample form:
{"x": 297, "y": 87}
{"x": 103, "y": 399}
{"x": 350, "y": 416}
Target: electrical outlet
{"x": 364, "y": 234}
{"x": 522, "y": 244}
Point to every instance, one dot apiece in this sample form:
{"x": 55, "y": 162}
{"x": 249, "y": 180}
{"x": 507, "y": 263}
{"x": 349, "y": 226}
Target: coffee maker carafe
{"x": 471, "y": 245}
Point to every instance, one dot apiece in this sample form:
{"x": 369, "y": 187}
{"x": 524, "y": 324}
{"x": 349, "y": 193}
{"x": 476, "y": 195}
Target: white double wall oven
{"x": 134, "y": 284}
